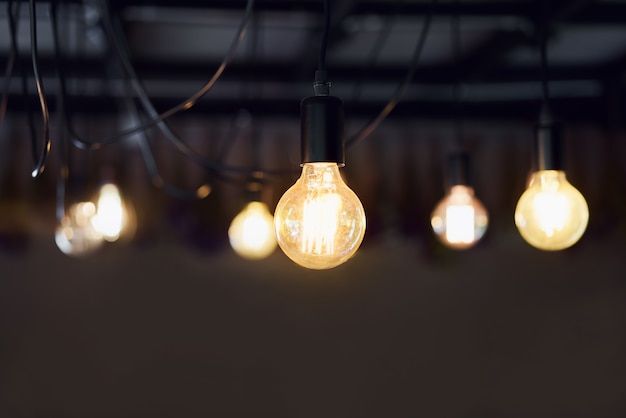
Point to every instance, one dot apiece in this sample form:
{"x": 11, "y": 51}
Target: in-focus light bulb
{"x": 459, "y": 219}
{"x": 75, "y": 234}
{"x": 319, "y": 221}
{"x": 551, "y": 214}
{"x": 112, "y": 215}
{"x": 251, "y": 232}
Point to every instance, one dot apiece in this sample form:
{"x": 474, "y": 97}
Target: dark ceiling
{"x": 177, "y": 46}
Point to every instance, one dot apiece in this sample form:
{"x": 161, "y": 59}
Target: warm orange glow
{"x": 319, "y": 221}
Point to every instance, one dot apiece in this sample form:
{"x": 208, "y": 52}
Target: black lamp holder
{"x": 548, "y": 151}
{"x": 459, "y": 169}
{"x": 321, "y": 126}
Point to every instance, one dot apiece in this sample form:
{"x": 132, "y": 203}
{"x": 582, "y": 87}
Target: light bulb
{"x": 319, "y": 221}
{"x": 75, "y": 234}
{"x": 551, "y": 214}
{"x": 112, "y": 215}
{"x": 251, "y": 232}
{"x": 459, "y": 219}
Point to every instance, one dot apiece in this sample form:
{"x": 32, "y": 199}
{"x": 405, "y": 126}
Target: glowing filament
{"x": 319, "y": 225}
{"x": 460, "y": 219}
{"x": 110, "y": 217}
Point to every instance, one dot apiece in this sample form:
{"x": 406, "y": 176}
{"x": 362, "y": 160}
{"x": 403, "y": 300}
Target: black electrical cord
{"x": 8, "y": 72}
{"x": 115, "y": 33}
{"x": 545, "y": 86}
{"x": 417, "y": 52}
{"x": 321, "y": 66}
{"x": 458, "y": 87}
{"x": 379, "y": 43}
{"x": 185, "y": 105}
{"x": 62, "y": 143}
{"x": 40, "y": 164}
{"x": 13, "y": 18}
{"x": 545, "y": 117}
{"x": 151, "y": 166}
{"x": 321, "y": 86}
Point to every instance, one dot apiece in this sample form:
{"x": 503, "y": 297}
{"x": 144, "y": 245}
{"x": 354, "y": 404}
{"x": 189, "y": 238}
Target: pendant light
{"x": 459, "y": 220}
{"x": 319, "y": 221}
{"x": 551, "y": 214}
{"x": 251, "y": 233}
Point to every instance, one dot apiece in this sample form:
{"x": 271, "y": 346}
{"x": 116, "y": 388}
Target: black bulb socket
{"x": 322, "y": 130}
{"x": 549, "y": 147}
{"x": 459, "y": 169}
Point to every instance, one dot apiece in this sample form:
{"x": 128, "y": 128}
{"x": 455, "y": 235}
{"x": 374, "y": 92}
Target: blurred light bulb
{"x": 319, "y": 221}
{"x": 551, "y": 214}
{"x": 251, "y": 232}
{"x": 75, "y": 234}
{"x": 459, "y": 219}
{"x": 111, "y": 213}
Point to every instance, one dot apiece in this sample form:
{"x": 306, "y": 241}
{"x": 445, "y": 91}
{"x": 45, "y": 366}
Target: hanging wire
{"x": 62, "y": 146}
{"x": 379, "y": 43}
{"x": 325, "y": 32}
{"x": 458, "y": 86}
{"x": 185, "y": 105}
{"x": 543, "y": 29}
{"x": 8, "y": 72}
{"x": 114, "y": 30}
{"x": 40, "y": 164}
{"x": 151, "y": 166}
{"x": 417, "y": 52}
{"x": 13, "y": 18}
{"x": 543, "y": 50}
{"x": 143, "y": 144}
{"x": 321, "y": 86}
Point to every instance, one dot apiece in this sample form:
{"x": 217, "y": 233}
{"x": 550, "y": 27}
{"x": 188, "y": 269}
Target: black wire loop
{"x": 40, "y": 164}
{"x": 188, "y": 103}
{"x": 367, "y": 130}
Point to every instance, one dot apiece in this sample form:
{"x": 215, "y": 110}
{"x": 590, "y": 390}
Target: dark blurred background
{"x": 172, "y": 323}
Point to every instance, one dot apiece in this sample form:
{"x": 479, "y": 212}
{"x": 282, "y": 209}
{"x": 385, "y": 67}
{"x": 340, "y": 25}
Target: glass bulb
{"x": 111, "y": 213}
{"x": 75, "y": 234}
{"x": 459, "y": 219}
{"x": 319, "y": 221}
{"x": 551, "y": 214}
{"x": 251, "y": 232}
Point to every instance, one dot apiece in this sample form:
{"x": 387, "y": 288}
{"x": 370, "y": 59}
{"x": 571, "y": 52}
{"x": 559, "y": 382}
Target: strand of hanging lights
{"x": 84, "y": 226}
{"x": 319, "y": 222}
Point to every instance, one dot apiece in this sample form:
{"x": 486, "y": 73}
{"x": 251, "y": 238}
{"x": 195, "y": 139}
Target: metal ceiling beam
{"x": 485, "y": 60}
{"x": 277, "y": 72}
{"x": 591, "y": 109}
{"x": 584, "y": 11}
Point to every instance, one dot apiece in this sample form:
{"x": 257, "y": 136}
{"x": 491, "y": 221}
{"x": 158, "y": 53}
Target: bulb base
{"x": 321, "y": 130}
{"x": 459, "y": 169}
{"x": 549, "y": 147}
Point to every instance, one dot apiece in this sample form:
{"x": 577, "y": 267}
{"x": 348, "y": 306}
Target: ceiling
{"x": 176, "y": 46}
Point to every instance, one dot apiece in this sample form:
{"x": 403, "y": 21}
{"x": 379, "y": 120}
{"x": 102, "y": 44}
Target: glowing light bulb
{"x": 251, "y": 232}
{"x": 551, "y": 214}
{"x": 459, "y": 219}
{"x": 112, "y": 215}
{"x": 75, "y": 234}
{"x": 319, "y": 221}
